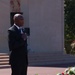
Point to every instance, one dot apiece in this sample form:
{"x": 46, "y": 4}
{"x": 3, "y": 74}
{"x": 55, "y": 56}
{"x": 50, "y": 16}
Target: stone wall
{"x": 46, "y": 25}
{"x": 4, "y": 24}
{"x": 45, "y": 19}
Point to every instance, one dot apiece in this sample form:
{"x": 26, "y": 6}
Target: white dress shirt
{"x": 19, "y": 28}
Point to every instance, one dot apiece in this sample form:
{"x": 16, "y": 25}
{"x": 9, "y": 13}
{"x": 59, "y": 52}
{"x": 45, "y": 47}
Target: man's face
{"x": 20, "y": 21}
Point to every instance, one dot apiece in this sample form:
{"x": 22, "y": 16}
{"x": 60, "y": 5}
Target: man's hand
{"x": 24, "y": 36}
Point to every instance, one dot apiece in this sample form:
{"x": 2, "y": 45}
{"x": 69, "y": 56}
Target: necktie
{"x": 24, "y": 36}
{"x": 21, "y": 30}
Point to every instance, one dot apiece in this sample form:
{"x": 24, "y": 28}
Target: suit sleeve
{"x": 13, "y": 42}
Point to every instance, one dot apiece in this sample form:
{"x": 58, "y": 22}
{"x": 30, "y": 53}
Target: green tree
{"x": 69, "y": 8}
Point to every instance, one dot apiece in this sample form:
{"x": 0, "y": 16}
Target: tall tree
{"x": 69, "y": 7}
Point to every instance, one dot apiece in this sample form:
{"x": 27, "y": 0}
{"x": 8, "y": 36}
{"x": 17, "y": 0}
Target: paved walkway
{"x": 39, "y": 70}
{"x": 36, "y": 70}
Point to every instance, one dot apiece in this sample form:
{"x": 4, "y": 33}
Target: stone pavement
{"x": 36, "y": 70}
{"x": 39, "y": 69}
{"x": 46, "y": 68}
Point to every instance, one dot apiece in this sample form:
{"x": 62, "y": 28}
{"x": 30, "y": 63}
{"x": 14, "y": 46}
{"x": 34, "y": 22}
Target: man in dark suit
{"x": 17, "y": 41}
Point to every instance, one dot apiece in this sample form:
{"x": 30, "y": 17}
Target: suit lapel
{"x": 16, "y": 29}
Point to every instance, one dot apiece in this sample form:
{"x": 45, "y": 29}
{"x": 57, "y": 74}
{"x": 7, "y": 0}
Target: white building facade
{"x": 45, "y": 18}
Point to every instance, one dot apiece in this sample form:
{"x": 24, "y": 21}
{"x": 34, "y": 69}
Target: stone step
{"x": 48, "y": 58}
{"x": 4, "y": 57}
{"x": 41, "y": 58}
{"x": 3, "y": 54}
{"x": 54, "y": 56}
{"x": 4, "y": 60}
{"x": 4, "y": 63}
{"x": 38, "y": 57}
{"x": 4, "y": 66}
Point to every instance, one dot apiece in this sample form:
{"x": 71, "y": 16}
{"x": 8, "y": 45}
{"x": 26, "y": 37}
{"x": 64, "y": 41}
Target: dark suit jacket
{"x": 17, "y": 46}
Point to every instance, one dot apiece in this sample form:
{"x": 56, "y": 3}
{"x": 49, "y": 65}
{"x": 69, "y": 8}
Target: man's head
{"x": 18, "y": 20}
